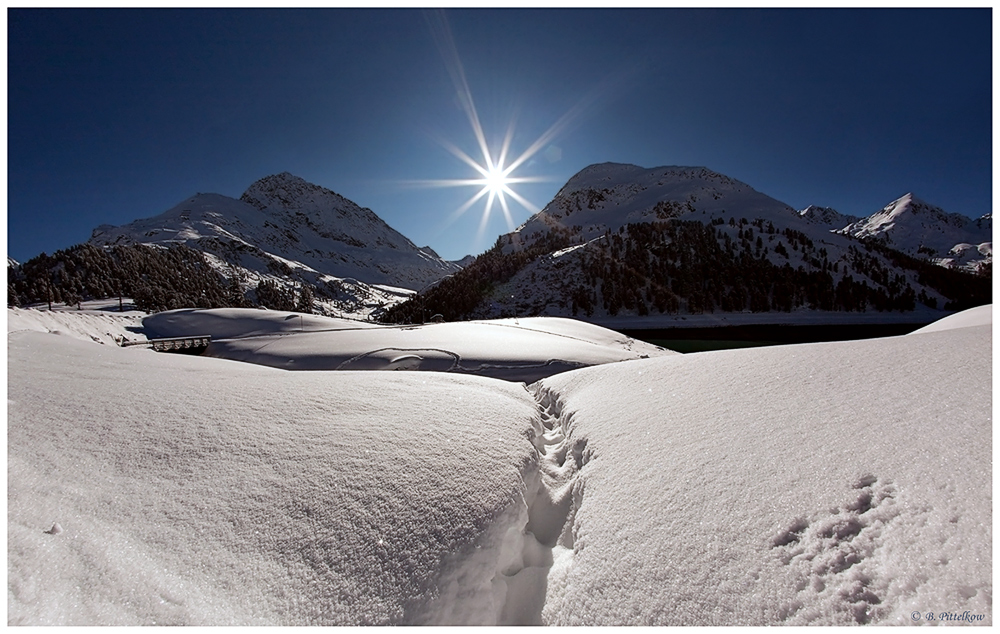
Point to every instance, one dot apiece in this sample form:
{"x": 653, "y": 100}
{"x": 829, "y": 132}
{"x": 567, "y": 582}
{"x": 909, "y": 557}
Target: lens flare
{"x": 496, "y": 174}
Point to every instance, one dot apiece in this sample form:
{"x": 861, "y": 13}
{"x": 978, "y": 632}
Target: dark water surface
{"x": 727, "y": 337}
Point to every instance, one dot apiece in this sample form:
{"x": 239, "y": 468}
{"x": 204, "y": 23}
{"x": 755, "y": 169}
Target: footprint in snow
{"x": 827, "y": 553}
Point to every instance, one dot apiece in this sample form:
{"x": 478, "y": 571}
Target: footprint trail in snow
{"x": 554, "y": 493}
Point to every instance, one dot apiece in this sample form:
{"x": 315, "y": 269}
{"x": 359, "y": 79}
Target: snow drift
{"x": 513, "y": 349}
{"x": 95, "y": 324}
{"x": 979, "y": 316}
{"x": 198, "y": 491}
{"x": 809, "y": 484}
{"x": 832, "y": 483}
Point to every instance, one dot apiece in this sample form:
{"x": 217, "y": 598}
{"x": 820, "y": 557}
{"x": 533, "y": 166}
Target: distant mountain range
{"x": 616, "y": 241}
{"x": 917, "y": 228}
{"x": 621, "y": 241}
{"x": 291, "y": 232}
{"x": 913, "y": 226}
{"x": 609, "y": 195}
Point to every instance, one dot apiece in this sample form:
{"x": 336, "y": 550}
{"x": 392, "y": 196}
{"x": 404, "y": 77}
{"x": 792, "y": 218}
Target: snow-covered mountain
{"x": 827, "y": 217}
{"x": 622, "y": 243}
{"x": 464, "y": 262}
{"x": 607, "y": 196}
{"x": 288, "y": 230}
{"x": 913, "y": 226}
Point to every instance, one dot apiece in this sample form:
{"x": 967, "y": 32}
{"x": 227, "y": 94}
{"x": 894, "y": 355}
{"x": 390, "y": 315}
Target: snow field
{"x": 978, "y": 316}
{"x": 809, "y": 484}
{"x": 202, "y": 491}
{"x": 86, "y": 325}
{"x": 830, "y": 484}
{"x": 226, "y": 323}
{"x": 512, "y": 349}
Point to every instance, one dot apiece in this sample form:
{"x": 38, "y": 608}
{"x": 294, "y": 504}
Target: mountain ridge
{"x": 290, "y": 232}
{"x": 661, "y": 193}
{"x": 613, "y": 239}
{"x": 916, "y": 227}
{"x": 622, "y": 240}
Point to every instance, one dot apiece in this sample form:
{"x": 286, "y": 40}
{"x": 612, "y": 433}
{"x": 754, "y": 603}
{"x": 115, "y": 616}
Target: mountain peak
{"x": 826, "y": 216}
{"x": 284, "y": 190}
{"x": 909, "y": 205}
{"x": 910, "y": 202}
{"x": 616, "y": 171}
{"x": 607, "y": 196}
{"x": 282, "y": 225}
{"x": 280, "y": 177}
{"x": 919, "y": 228}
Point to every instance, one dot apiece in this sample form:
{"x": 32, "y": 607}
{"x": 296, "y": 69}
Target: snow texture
{"x": 187, "y": 490}
{"x": 512, "y": 349}
{"x": 808, "y": 484}
{"x": 833, "y": 483}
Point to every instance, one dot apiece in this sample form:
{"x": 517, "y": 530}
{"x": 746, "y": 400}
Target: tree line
{"x": 457, "y": 296}
{"x": 665, "y": 267}
{"x": 674, "y": 266}
{"x": 155, "y": 278}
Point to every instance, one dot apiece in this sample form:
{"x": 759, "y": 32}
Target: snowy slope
{"x": 783, "y": 485}
{"x": 519, "y": 350}
{"x": 607, "y": 196}
{"x": 590, "y": 211}
{"x": 286, "y": 229}
{"x": 827, "y": 217}
{"x": 86, "y": 325}
{"x": 320, "y": 227}
{"x": 979, "y": 316}
{"x": 226, "y": 323}
{"x": 913, "y": 226}
{"x": 792, "y": 485}
{"x": 971, "y": 257}
{"x": 146, "y": 488}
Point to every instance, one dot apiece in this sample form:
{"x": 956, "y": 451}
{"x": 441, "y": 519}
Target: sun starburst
{"x": 496, "y": 179}
{"x": 496, "y": 175}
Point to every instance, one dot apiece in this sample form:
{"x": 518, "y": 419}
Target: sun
{"x": 496, "y": 180}
{"x": 495, "y": 171}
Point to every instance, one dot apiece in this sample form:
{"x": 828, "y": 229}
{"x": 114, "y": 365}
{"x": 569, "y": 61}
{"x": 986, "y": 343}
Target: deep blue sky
{"x": 116, "y": 115}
